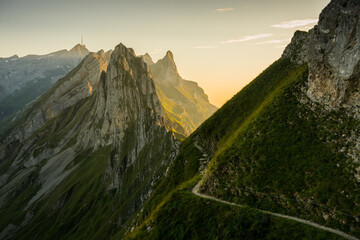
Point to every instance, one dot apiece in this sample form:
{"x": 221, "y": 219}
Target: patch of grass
{"x": 13, "y": 211}
{"x": 68, "y": 213}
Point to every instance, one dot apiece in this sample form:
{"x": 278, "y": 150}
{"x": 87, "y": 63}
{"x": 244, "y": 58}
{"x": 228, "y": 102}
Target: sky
{"x": 220, "y": 44}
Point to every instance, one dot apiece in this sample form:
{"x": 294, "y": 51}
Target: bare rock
{"x": 334, "y": 57}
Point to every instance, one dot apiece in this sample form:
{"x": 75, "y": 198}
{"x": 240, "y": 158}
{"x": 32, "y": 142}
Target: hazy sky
{"x": 221, "y": 44}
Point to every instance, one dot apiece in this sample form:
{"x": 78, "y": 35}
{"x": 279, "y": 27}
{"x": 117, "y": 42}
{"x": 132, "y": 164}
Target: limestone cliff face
{"x": 185, "y": 104}
{"x": 25, "y": 145}
{"x": 296, "y": 51}
{"x": 128, "y": 115}
{"x": 334, "y": 57}
{"x": 332, "y": 52}
{"x": 78, "y": 84}
{"x": 126, "y": 93}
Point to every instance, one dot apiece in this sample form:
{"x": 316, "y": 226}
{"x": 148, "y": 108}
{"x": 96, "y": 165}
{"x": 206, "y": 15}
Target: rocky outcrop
{"x": 334, "y": 57}
{"x": 147, "y": 59}
{"x": 296, "y": 51}
{"x": 126, "y": 93}
{"x": 185, "y": 104}
{"x": 165, "y": 70}
{"x": 77, "y": 85}
{"x": 332, "y": 51}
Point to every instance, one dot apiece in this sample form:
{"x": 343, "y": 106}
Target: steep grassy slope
{"x": 290, "y": 158}
{"x": 272, "y": 98}
{"x": 185, "y": 104}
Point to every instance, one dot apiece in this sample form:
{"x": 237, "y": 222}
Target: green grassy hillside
{"x": 267, "y": 151}
{"x": 289, "y": 157}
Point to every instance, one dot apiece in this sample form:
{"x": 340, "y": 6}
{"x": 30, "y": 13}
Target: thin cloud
{"x": 274, "y": 41}
{"x": 222, "y": 10}
{"x": 295, "y": 23}
{"x": 248, "y": 38}
{"x": 204, "y": 47}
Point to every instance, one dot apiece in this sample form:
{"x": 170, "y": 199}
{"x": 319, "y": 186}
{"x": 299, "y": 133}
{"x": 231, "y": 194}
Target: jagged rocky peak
{"x": 108, "y": 54}
{"x": 296, "y": 51}
{"x": 80, "y": 49}
{"x": 185, "y": 103}
{"x": 105, "y": 55}
{"x": 169, "y": 60}
{"x": 126, "y": 94}
{"x": 125, "y": 68}
{"x": 128, "y": 115}
{"x": 147, "y": 58}
{"x": 170, "y": 56}
{"x": 165, "y": 70}
{"x": 334, "y": 57}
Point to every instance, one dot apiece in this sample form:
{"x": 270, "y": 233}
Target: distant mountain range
{"x": 24, "y": 79}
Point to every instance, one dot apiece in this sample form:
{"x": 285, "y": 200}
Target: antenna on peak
{"x": 82, "y": 42}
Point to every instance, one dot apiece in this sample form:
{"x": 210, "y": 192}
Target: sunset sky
{"x": 221, "y": 44}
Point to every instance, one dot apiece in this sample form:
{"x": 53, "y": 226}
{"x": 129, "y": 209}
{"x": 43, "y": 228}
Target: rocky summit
{"x": 185, "y": 104}
{"x": 332, "y": 51}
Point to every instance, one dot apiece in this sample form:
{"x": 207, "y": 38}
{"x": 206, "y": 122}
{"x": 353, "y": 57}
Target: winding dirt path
{"x": 195, "y": 191}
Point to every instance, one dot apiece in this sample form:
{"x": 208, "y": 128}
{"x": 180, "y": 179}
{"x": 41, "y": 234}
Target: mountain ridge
{"x": 24, "y": 79}
{"x": 117, "y": 124}
{"x": 185, "y": 103}
{"x": 272, "y": 147}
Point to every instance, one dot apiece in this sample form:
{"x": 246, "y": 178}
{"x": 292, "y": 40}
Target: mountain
{"x": 24, "y": 79}
{"x": 185, "y": 103}
{"x": 98, "y": 140}
{"x": 95, "y": 157}
{"x": 93, "y": 145}
{"x": 285, "y": 148}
